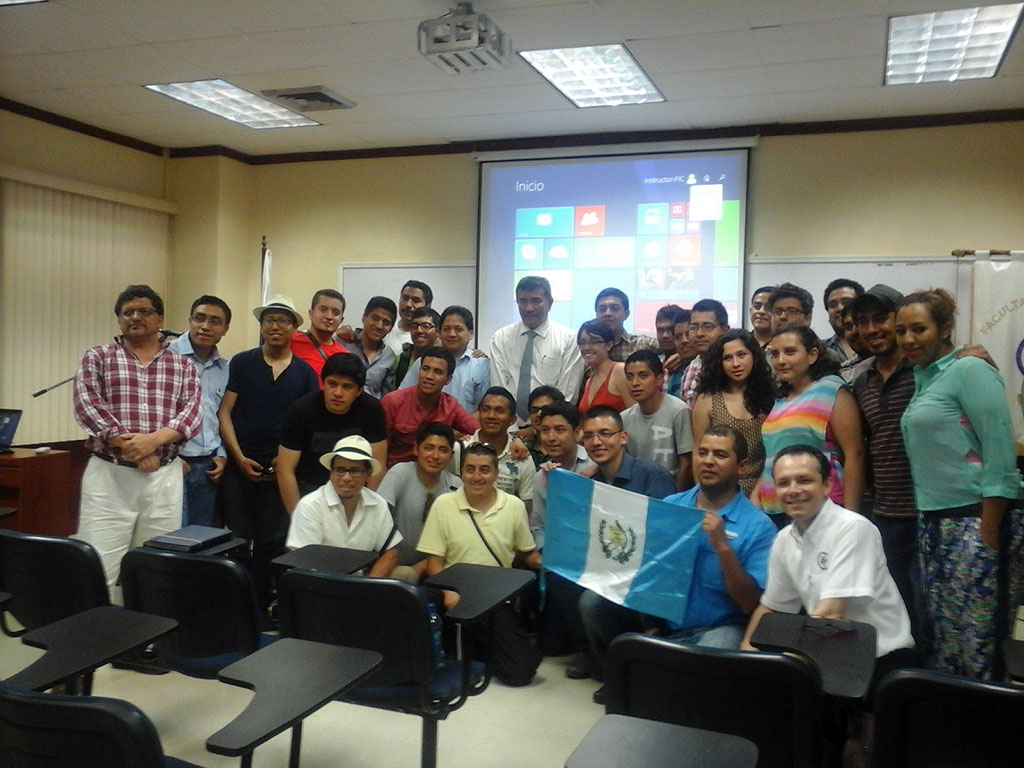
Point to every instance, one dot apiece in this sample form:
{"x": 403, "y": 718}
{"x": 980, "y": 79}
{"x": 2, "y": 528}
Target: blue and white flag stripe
{"x": 633, "y": 550}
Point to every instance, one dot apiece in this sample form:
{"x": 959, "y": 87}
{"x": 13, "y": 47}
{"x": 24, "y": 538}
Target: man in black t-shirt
{"x": 262, "y": 384}
{"x": 315, "y": 422}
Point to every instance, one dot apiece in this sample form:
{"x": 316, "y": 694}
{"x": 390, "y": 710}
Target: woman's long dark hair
{"x": 824, "y": 366}
{"x": 759, "y": 394}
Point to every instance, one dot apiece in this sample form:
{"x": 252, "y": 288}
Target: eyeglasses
{"x": 787, "y": 311}
{"x": 278, "y": 320}
{"x": 213, "y": 322}
{"x": 604, "y": 434}
{"x": 423, "y": 326}
{"x": 706, "y": 327}
{"x": 145, "y": 312}
{"x": 351, "y": 471}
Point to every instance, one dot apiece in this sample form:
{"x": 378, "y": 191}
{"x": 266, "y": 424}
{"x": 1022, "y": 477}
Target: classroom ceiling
{"x": 719, "y": 63}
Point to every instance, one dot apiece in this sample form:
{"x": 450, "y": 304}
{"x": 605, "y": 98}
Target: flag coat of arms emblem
{"x": 633, "y": 550}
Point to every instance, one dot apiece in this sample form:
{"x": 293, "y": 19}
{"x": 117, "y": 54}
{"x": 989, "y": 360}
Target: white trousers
{"x": 121, "y": 508}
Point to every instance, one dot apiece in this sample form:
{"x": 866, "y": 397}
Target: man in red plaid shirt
{"x": 138, "y": 401}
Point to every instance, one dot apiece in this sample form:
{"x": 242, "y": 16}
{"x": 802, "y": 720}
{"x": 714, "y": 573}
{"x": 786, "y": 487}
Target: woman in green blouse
{"x": 958, "y": 438}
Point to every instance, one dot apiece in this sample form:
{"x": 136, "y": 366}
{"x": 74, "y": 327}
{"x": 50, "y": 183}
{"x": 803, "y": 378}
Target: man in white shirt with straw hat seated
{"x": 344, "y": 512}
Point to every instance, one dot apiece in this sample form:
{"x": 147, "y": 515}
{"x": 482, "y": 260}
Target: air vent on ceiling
{"x": 312, "y": 98}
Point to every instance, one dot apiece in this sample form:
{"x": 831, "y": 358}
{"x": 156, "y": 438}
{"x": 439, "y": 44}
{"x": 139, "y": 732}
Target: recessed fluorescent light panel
{"x": 20, "y": 2}
{"x": 226, "y": 100}
{"x": 595, "y": 75}
{"x": 944, "y": 46}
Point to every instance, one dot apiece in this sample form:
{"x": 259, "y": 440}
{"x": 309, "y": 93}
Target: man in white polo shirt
{"x": 830, "y": 561}
{"x": 343, "y": 512}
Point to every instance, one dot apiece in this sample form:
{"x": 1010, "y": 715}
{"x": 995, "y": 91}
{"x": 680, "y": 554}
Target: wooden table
{"x": 845, "y": 657}
{"x": 80, "y": 643}
{"x": 292, "y": 679}
{"x": 481, "y": 588}
{"x": 618, "y": 740}
{"x": 40, "y": 490}
{"x": 323, "y": 557}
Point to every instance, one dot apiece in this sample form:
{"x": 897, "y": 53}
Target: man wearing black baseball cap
{"x": 882, "y": 392}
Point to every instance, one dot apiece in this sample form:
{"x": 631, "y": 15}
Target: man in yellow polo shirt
{"x": 482, "y": 525}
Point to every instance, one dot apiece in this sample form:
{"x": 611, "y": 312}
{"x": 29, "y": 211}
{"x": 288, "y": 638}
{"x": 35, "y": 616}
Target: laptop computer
{"x": 9, "y": 418}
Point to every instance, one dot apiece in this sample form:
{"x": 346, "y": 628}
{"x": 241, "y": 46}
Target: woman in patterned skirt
{"x": 957, "y": 433}
{"x": 736, "y": 389}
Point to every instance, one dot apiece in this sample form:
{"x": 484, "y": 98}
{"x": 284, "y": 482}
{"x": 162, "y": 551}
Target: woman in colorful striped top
{"x": 814, "y": 408}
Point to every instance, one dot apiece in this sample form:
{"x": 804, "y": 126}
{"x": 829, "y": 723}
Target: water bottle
{"x": 436, "y": 638}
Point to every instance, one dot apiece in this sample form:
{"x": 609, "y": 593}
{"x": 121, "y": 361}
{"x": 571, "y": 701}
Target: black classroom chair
{"x": 388, "y": 616}
{"x": 213, "y": 600}
{"x": 49, "y": 578}
{"x": 927, "y": 719}
{"x": 49, "y": 730}
{"x": 771, "y": 699}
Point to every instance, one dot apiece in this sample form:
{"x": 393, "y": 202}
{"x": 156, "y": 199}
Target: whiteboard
{"x": 906, "y": 274}
{"x": 453, "y": 283}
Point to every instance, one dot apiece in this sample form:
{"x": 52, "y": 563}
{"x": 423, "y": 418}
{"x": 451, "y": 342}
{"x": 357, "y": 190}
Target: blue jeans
{"x": 200, "y": 492}
{"x": 604, "y": 620}
{"x": 903, "y": 556}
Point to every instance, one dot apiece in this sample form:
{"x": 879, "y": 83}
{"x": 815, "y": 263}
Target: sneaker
{"x": 579, "y": 667}
{"x": 600, "y": 696}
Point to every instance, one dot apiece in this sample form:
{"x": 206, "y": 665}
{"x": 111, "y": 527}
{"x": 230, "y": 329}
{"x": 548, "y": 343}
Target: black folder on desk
{"x": 190, "y": 538}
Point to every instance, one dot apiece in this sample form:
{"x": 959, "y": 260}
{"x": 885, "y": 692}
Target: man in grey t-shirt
{"x": 410, "y": 489}
{"x": 658, "y": 424}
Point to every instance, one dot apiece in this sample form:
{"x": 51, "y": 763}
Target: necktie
{"x": 523, "y": 392}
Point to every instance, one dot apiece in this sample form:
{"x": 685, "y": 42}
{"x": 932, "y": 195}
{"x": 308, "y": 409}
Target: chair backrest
{"x": 771, "y": 699}
{"x": 384, "y": 615}
{"x": 211, "y": 597}
{"x": 930, "y": 719}
{"x": 49, "y": 577}
{"x": 48, "y": 730}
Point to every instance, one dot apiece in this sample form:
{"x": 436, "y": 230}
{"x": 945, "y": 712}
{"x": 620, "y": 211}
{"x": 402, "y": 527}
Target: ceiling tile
{"x": 152, "y": 21}
{"x": 844, "y": 39}
{"x": 231, "y": 55}
{"x": 707, "y": 84}
{"x": 822, "y": 75}
{"x": 351, "y": 43}
{"x": 562, "y": 26}
{"x": 715, "y": 50}
{"x": 249, "y": 16}
{"x": 657, "y": 18}
{"x": 479, "y": 101}
{"x": 762, "y": 14}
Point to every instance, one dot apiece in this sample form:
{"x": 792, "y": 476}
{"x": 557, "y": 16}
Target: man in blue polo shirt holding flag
{"x": 691, "y": 568}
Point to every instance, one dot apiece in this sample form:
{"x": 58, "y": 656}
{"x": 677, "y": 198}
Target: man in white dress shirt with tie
{"x": 535, "y": 350}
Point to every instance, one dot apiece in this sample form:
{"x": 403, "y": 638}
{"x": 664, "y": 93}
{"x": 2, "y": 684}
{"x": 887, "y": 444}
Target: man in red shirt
{"x": 406, "y": 409}
{"x": 326, "y": 312}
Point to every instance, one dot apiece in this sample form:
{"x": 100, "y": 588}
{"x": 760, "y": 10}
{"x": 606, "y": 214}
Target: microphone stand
{"x": 164, "y": 334}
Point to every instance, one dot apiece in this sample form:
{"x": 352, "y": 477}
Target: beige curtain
{"x": 64, "y": 257}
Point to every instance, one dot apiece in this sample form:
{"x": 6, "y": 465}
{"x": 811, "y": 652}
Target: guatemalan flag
{"x": 633, "y": 550}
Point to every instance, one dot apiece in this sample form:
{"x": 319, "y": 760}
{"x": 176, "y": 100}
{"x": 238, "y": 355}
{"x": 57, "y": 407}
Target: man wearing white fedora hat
{"x": 344, "y": 512}
{"x": 262, "y": 383}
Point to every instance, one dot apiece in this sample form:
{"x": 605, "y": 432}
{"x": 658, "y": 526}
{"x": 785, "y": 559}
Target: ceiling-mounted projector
{"x": 463, "y": 41}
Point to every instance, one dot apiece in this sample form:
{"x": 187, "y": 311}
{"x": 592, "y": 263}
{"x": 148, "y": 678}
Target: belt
{"x": 197, "y": 458}
{"x": 124, "y": 463}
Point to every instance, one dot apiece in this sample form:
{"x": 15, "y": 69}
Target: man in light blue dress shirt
{"x": 204, "y": 455}
{"x": 472, "y": 374}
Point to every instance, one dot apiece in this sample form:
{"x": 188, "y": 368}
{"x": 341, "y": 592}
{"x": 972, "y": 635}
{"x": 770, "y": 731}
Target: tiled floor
{"x": 538, "y": 725}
